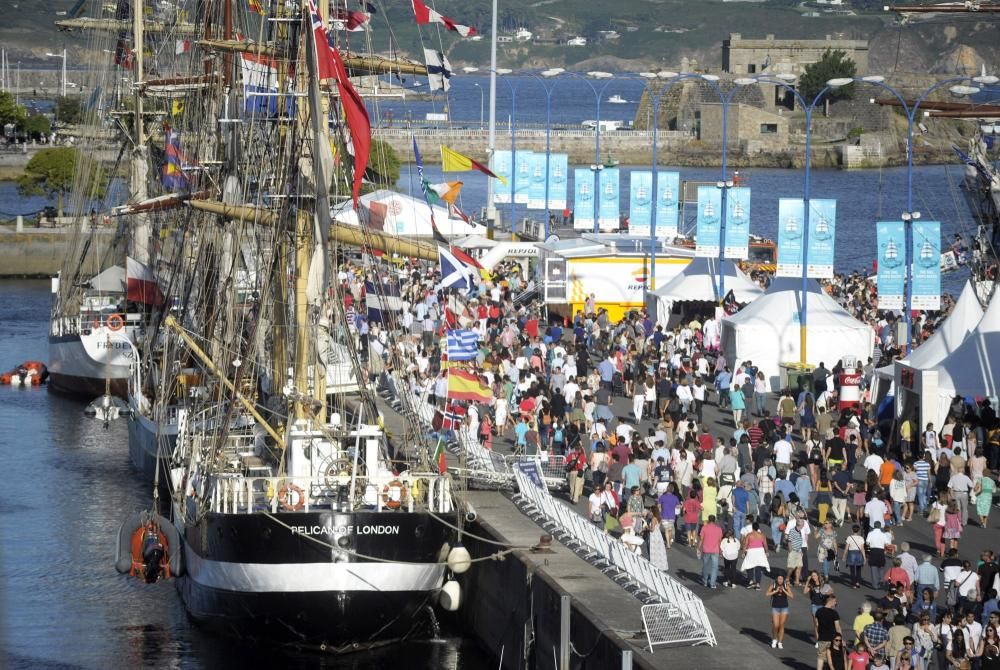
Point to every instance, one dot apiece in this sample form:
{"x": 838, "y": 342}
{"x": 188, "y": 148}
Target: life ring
{"x": 115, "y": 322}
{"x": 393, "y": 494}
{"x": 283, "y": 498}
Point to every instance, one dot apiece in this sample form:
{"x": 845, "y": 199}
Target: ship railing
{"x": 236, "y": 493}
{"x": 671, "y": 612}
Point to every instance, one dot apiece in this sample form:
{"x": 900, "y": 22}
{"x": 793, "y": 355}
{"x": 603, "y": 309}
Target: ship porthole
{"x": 344, "y": 542}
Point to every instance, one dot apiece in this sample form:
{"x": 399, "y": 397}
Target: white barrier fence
{"x": 672, "y": 613}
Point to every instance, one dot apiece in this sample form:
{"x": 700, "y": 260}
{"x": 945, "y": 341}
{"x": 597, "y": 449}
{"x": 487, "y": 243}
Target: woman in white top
{"x": 650, "y": 395}
{"x": 761, "y": 387}
{"x": 936, "y": 516}
{"x": 730, "y": 550}
{"x": 930, "y": 440}
{"x": 638, "y": 402}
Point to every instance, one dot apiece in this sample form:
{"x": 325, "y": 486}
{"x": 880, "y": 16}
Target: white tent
{"x": 963, "y": 319}
{"x": 699, "y": 282}
{"x": 972, "y": 369}
{"x": 767, "y": 330}
{"x": 403, "y": 215}
{"x": 474, "y": 242}
{"x": 111, "y": 280}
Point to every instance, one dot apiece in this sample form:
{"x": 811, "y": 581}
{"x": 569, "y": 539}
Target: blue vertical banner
{"x": 822, "y": 233}
{"x": 891, "y": 259}
{"x": 609, "y": 206}
{"x": 502, "y": 168}
{"x": 522, "y": 176}
{"x": 583, "y": 199}
{"x": 737, "y": 243}
{"x": 537, "y": 175}
{"x": 791, "y": 224}
{"x": 668, "y": 186}
{"x": 708, "y": 222}
{"x": 926, "y": 272}
{"x": 640, "y": 203}
{"x": 558, "y": 180}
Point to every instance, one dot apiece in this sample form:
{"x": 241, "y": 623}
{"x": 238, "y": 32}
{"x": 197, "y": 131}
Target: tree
{"x": 833, "y": 65}
{"x": 69, "y": 110}
{"x": 36, "y": 126}
{"x": 383, "y": 165}
{"x": 10, "y": 111}
{"x": 52, "y": 172}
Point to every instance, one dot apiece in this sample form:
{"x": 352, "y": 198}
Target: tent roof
{"x": 111, "y": 280}
{"x": 947, "y": 338}
{"x": 475, "y": 242}
{"x": 699, "y": 281}
{"x": 973, "y": 368}
{"x": 408, "y": 208}
{"x": 784, "y": 297}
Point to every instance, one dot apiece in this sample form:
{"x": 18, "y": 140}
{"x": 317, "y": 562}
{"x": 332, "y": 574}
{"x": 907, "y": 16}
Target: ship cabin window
{"x": 768, "y": 128}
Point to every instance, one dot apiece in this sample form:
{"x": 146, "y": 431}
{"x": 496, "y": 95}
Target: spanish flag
{"x": 452, "y": 161}
{"x": 463, "y": 385}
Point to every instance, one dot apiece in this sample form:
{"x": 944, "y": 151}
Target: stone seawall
{"x": 41, "y": 252}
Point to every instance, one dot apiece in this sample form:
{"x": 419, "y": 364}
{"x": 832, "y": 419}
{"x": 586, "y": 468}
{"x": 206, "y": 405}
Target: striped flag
{"x": 425, "y": 15}
{"x": 382, "y": 299}
{"x": 464, "y": 385}
{"x": 439, "y": 457}
{"x": 173, "y": 176}
{"x": 462, "y": 345}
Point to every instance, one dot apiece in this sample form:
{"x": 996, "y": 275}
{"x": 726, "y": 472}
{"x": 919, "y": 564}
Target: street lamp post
{"x": 63, "y": 80}
{"x": 672, "y": 78}
{"x": 782, "y": 81}
{"x": 481, "y": 103}
{"x": 909, "y": 215}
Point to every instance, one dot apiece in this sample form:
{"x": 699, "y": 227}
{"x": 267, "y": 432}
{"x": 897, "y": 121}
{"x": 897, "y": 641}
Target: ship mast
{"x": 139, "y": 173}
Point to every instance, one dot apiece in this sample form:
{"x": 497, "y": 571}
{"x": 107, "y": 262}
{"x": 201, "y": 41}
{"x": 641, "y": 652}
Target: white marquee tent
{"x": 972, "y": 369}
{"x": 767, "y": 330}
{"x": 699, "y": 282}
{"x": 404, "y": 215}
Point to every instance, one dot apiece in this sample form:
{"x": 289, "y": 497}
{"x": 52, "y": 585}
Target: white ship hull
{"x": 83, "y": 364}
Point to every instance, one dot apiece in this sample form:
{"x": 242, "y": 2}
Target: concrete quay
{"x": 40, "y": 252}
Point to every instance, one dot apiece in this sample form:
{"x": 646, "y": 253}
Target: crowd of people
{"x": 788, "y": 476}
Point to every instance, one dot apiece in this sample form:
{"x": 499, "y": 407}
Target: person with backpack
{"x": 576, "y": 463}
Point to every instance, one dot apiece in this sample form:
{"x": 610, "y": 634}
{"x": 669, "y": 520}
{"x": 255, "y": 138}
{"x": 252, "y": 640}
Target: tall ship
{"x": 282, "y": 510}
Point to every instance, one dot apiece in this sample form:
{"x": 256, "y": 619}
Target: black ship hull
{"x": 250, "y": 577}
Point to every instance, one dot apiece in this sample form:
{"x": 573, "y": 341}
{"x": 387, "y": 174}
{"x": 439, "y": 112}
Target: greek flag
{"x": 462, "y": 345}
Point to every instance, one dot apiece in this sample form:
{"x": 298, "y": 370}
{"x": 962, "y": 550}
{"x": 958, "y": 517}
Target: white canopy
{"x": 973, "y": 369}
{"x": 111, "y": 280}
{"x": 475, "y": 242}
{"x": 767, "y": 330}
{"x": 699, "y": 281}
{"x": 403, "y": 215}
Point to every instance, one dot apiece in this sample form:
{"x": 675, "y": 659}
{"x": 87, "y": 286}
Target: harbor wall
{"x": 513, "y": 609}
{"x": 40, "y": 252}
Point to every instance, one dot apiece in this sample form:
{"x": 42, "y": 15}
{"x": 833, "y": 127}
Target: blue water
{"x": 67, "y": 483}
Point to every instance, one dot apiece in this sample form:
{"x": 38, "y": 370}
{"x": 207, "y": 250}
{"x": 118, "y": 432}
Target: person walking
{"x": 984, "y": 488}
{"x": 953, "y": 525}
{"x": 827, "y": 626}
{"x": 855, "y": 556}
{"x": 826, "y": 547}
{"x": 738, "y": 403}
{"x": 730, "y": 551}
{"x": 755, "y": 556}
{"x": 709, "y": 545}
{"x": 576, "y": 461}
{"x": 796, "y": 540}
{"x": 961, "y": 486}
{"x": 936, "y": 517}
{"x": 779, "y": 594}
{"x": 836, "y": 655}
{"x": 761, "y": 388}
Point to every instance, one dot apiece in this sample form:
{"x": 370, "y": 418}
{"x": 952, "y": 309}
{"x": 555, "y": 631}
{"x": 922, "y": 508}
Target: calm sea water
{"x": 67, "y": 483}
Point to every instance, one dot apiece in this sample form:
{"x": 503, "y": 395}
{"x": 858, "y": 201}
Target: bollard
{"x": 20, "y": 224}
{"x": 627, "y": 659}
{"x": 565, "y": 610}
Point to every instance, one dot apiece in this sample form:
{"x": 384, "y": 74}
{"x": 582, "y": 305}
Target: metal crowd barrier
{"x": 671, "y": 613}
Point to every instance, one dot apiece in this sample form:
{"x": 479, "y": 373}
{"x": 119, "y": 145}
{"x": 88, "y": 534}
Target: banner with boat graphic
{"x": 558, "y": 180}
{"x": 822, "y": 233}
{"x": 668, "y": 187}
{"x": 926, "y": 286}
{"x": 891, "y": 259}
{"x": 583, "y": 199}
{"x": 790, "y": 226}
{"x": 708, "y": 222}
{"x": 737, "y": 244}
{"x": 609, "y": 203}
{"x": 537, "y": 179}
{"x": 502, "y": 169}
{"x": 522, "y": 176}
{"x": 640, "y": 203}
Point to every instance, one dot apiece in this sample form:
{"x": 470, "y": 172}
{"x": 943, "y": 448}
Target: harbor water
{"x": 68, "y": 483}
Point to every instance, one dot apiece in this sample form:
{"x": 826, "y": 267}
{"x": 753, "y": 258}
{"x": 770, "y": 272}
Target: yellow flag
{"x": 176, "y": 107}
{"x": 452, "y": 161}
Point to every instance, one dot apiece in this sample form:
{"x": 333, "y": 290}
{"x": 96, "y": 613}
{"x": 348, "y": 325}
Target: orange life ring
{"x": 394, "y": 494}
{"x": 115, "y": 322}
{"x": 283, "y": 498}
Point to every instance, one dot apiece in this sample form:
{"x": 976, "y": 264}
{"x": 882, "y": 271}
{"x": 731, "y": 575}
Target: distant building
{"x": 576, "y": 42}
{"x": 754, "y": 56}
{"x": 523, "y": 35}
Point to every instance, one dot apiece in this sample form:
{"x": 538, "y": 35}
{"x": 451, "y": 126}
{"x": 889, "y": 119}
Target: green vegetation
{"x": 52, "y": 172}
{"x": 383, "y": 165}
{"x": 833, "y": 65}
{"x": 36, "y": 126}
{"x": 69, "y": 110}
{"x": 10, "y": 112}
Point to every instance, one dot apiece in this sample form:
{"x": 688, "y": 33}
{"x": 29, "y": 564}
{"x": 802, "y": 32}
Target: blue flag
{"x": 381, "y": 300}
{"x": 462, "y": 345}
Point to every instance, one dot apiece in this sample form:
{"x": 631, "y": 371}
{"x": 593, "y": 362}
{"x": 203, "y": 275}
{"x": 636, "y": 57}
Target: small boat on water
{"x": 617, "y": 100}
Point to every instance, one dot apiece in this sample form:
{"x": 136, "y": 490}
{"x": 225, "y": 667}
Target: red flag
{"x": 425, "y": 14}
{"x": 376, "y": 213}
{"x": 324, "y": 57}
{"x": 357, "y": 120}
{"x": 465, "y": 258}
